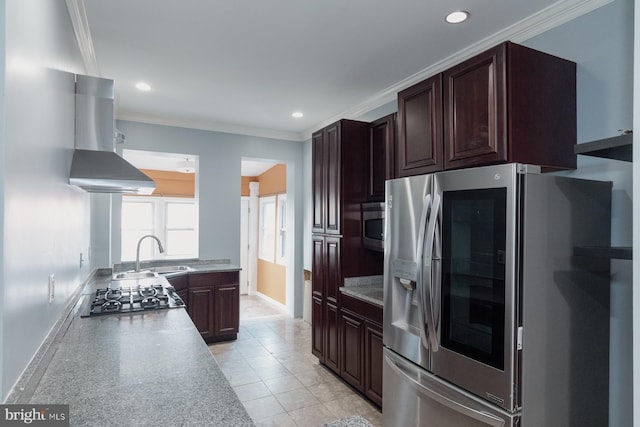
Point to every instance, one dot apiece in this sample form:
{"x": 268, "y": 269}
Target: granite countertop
{"x": 367, "y": 288}
{"x": 143, "y": 369}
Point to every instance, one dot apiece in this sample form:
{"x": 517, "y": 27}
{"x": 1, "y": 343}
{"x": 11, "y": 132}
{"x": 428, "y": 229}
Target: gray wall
{"x": 218, "y": 182}
{"x": 46, "y": 222}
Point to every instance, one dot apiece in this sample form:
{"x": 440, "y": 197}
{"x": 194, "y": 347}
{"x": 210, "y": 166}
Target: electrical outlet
{"x": 52, "y": 287}
{"x": 81, "y": 260}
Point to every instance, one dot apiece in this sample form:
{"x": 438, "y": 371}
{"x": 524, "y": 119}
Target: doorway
{"x": 263, "y": 200}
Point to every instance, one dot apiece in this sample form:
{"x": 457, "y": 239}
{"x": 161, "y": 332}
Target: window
{"x": 180, "y": 228}
{"x": 266, "y": 240}
{"x": 273, "y": 229}
{"x": 137, "y": 221}
{"x": 173, "y": 220}
{"x": 281, "y": 246}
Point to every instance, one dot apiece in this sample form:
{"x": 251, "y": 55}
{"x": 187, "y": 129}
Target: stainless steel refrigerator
{"x": 489, "y": 318}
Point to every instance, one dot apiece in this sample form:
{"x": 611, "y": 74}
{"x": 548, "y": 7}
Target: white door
{"x": 244, "y": 245}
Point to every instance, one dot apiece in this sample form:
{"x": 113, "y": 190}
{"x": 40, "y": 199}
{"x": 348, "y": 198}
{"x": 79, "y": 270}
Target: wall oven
{"x": 373, "y": 226}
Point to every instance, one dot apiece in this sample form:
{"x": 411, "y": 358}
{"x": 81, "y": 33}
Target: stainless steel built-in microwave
{"x": 373, "y": 226}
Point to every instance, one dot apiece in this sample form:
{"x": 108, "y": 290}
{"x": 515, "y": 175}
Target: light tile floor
{"x": 274, "y": 374}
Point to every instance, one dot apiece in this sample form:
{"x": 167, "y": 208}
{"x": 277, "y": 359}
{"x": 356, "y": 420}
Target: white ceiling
{"x": 245, "y": 66}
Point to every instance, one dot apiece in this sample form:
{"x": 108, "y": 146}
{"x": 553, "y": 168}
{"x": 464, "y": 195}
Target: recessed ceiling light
{"x": 143, "y": 86}
{"x": 457, "y": 17}
{"x": 297, "y": 114}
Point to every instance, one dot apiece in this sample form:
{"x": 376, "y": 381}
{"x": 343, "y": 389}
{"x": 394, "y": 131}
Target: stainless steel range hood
{"x": 96, "y": 167}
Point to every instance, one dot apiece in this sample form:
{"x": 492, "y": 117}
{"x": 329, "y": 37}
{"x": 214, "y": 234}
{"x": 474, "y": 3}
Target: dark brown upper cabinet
{"x": 340, "y": 168}
{"x": 510, "y": 104}
{"x": 382, "y": 134}
{"x": 419, "y": 145}
{"x": 507, "y": 104}
{"x": 318, "y": 179}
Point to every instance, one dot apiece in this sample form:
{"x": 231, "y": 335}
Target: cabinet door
{"x": 351, "y": 328}
{"x": 331, "y": 342}
{"x": 317, "y": 266}
{"x": 333, "y": 271}
{"x": 317, "y": 328}
{"x": 419, "y": 145}
{"x": 332, "y": 166}
{"x": 318, "y": 180}
{"x": 227, "y": 309}
{"x": 475, "y": 111}
{"x": 381, "y": 159}
{"x": 201, "y": 310}
{"x": 373, "y": 363}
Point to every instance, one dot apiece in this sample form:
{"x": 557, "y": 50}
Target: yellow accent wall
{"x": 273, "y": 181}
{"x": 271, "y": 280}
{"x": 244, "y": 185}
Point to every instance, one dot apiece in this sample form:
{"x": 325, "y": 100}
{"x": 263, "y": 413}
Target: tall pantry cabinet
{"x": 339, "y": 185}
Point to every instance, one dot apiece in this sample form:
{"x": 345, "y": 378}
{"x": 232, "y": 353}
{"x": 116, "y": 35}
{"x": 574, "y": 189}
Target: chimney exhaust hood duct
{"x": 96, "y": 167}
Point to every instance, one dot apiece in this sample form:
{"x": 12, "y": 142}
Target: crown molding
{"x": 212, "y": 126}
{"x": 552, "y": 16}
{"x": 80, "y": 23}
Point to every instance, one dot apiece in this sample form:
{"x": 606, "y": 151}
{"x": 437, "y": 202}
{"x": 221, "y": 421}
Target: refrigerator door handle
{"x": 420, "y": 279}
{"x": 482, "y": 416}
{"x": 427, "y": 274}
{"x": 436, "y": 269}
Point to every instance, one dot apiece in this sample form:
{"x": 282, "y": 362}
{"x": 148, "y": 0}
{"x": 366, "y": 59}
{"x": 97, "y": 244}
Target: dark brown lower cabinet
{"x": 212, "y": 301}
{"x": 373, "y": 363}
{"x": 361, "y": 346}
{"x": 317, "y": 336}
{"x": 226, "y": 301}
{"x": 351, "y": 327}
{"x": 331, "y": 355}
{"x": 200, "y": 309}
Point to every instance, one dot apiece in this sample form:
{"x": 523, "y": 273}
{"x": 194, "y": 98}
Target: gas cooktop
{"x": 130, "y": 299}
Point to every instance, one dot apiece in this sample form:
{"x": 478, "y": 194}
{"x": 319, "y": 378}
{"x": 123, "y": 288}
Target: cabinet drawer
{"x": 365, "y": 309}
{"x": 218, "y": 278}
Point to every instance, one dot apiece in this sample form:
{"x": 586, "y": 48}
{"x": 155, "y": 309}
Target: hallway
{"x": 279, "y": 381}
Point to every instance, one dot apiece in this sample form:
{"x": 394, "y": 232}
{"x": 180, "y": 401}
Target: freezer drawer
{"x": 414, "y": 397}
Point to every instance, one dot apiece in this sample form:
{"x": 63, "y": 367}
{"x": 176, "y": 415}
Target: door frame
{"x": 244, "y": 245}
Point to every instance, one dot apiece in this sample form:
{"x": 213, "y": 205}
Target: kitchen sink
{"x": 134, "y": 275}
{"x": 166, "y": 269}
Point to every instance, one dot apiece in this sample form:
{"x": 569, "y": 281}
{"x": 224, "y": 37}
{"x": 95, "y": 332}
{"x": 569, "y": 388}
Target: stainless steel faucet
{"x": 138, "y": 249}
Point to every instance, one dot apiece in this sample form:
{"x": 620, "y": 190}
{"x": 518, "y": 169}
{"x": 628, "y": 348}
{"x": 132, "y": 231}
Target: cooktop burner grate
{"x": 134, "y": 298}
